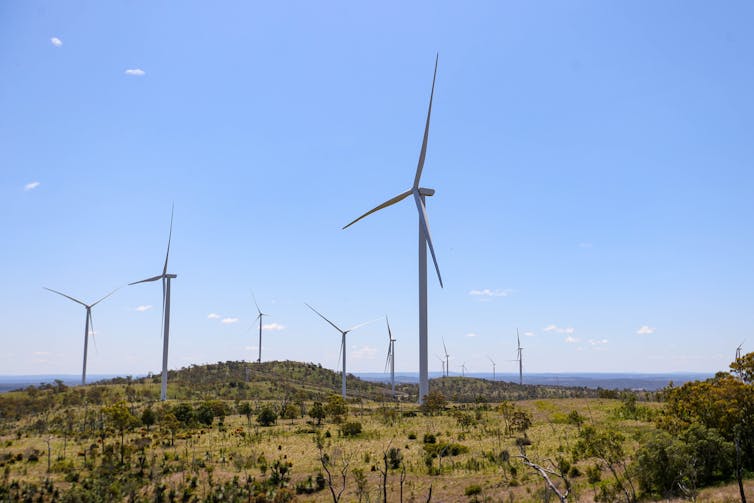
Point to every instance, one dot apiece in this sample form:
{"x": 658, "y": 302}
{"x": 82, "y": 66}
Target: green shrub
{"x": 351, "y": 429}
{"x": 473, "y": 490}
{"x": 267, "y": 417}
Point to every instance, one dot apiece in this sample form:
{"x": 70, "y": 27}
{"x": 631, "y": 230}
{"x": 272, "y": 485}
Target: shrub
{"x": 267, "y": 417}
{"x": 351, "y": 429}
{"x": 429, "y": 438}
{"x": 412, "y": 436}
{"x": 473, "y": 490}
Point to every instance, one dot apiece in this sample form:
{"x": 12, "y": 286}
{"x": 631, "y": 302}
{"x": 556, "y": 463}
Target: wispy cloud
{"x": 489, "y": 293}
{"x": 597, "y": 342}
{"x": 251, "y": 348}
{"x": 571, "y": 340}
{"x": 273, "y": 326}
{"x": 141, "y": 309}
{"x": 135, "y": 72}
{"x": 31, "y": 185}
{"x": 56, "y": 41}
{"x": 471, "y": 334}
{"x": 41, "y": 353}
{"x": 559, "y": 330}
{"x": 585, "y": 245}
{"x": 213, "y": 316}
{"x": 645, "y": 330}
{"x": 228, "y": 321}
{"x": 363, "y": 353}
{"x": 529, "y": 334}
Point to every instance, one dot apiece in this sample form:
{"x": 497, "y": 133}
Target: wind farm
{"x": 583, "y": 190}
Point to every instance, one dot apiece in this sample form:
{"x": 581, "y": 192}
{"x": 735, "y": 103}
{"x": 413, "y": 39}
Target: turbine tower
{"x": 463, "y": 369}
{"x": 419, "y": 194}
{"x": 342, "y": 341}
{"x": 447, "y": 358}
{"x": 259, "y": 318}
{"x": 443, "y": 364}
{"x": 390, "y": 356}
{"x": 520, "y": 362}
{"x": 493, "y": 367}
{"x": 738, "y": 350}
{"x": 165, "y": 277}
{"x": 88, "y": 324}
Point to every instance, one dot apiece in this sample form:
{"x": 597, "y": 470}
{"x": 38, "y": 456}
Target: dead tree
{"x": 546, "y": 473}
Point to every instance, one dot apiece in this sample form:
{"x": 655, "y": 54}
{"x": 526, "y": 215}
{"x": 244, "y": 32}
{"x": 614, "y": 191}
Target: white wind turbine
{"x": 425, "y": 239}
{"x": 493, "y": 367}
{"x": 259, "y": 318}
{"x": 463, "y": 369}
{"x": 520, "y": 360}
{"x": 88, "y": 324}
{"x": 342, "y": 341}
{"x": 447, "y": 358}
{"x": 165, "y": 277}
{"x": 390, "y": 360}
{"x": 738, "y": 350}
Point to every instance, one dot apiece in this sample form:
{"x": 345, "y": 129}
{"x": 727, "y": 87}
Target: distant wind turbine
{"x": 738, "y": 350}
{"x": 463, "y": 369}
{"x": 165, "y": 277}
{"x": 520, "y": 360}
{"x": 88, "y": 324}
{"x": 259, "y": 318}
{"x": 390, "y": 356}
{"x": 419, "y": 194}
{"x": 493, "y": 367}
{"x": 447, "y": 358}
{"x": 342, "y": 341}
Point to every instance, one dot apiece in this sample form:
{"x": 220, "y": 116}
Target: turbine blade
{"x": 389, "y": 202}
{"x": 170, "y": 236}
{"x": 425, "y": 226}
{"x": 444, "y": 348}
{"x": 389, "y": 333}
{"x": 361, "y": 325}
{"x": 387, "y": 359}
{"x": 91, "y": 330}
{"x": 322, "y": 316}
{"x": 66, "y": 296}
{"x": 340, "y": 352}
{"x": 423, "y": 154}
{"x": 164, "y": 300}
{"x": 255, "y": 303}
{"x": 153, "y": 278}
{"x": 106, "y": 296}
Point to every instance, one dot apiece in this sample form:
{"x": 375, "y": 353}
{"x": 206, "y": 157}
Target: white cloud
{"x": 529, "y": 334}
{"x": 645, "y": 330}
{"x": 273, "y": 326}
{"x": 363, "y": 353}
{"x": 251, "y": 348}
{"x": 213, "y": 316}
{"x": 471, "y": 334}
{"x": 486, "y": 292}
{"x": 559, "y": 330}
{"x": 597, "y": 342}
{"x": 31, "y": 186}
{"x": 135, "y": 72}
{"x": 41, "y": 353}
{"x": 141, "y": 309}
{"x": 585, "y": 245}
{"x": 228, "y": 321}
{"x": 56, "y": 41}
{"x": 571, "y": 340}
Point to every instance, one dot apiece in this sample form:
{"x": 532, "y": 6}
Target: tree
{"x": 122, "y": 419}
{"x": 336, "y": 408}
{"x": 148, "y": 417}
{"x": 171, "y": 424}
{"x": 317, "y": 412}
{"x": 267, "y": 416}
{"x": 290, "y": 411}
{"x": 246, "y": 410}
{"x": 607, "y": 447}
{"x": 434, "y": 402}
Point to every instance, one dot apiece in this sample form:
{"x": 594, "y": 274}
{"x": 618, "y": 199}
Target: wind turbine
{"x": 165, "y": 277}
{"x": 463, "y": 369}
{"x": 259, "y": 318}
{"x": 738, "y": 350}
{"x": 390, "y": 356}
{"x": 342, "y": 341}
{"x": 493, "y": 367}
{"x": 520, "y": 363}
{"x": 447, "y": 358}
{"x": 88, "y": 324}
{"x": 425, "y": 238}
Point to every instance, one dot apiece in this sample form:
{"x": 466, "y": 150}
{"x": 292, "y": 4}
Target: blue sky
{"x": 592, "y": 162}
